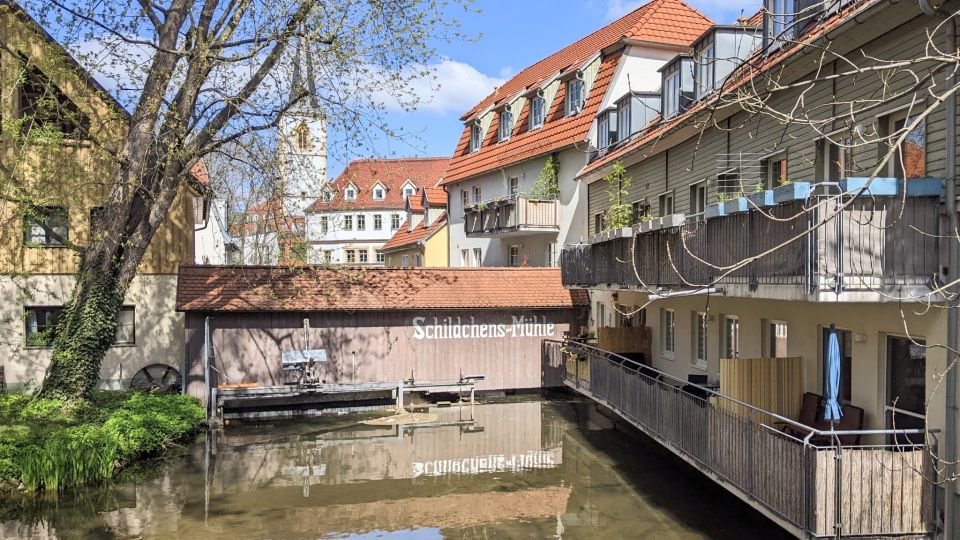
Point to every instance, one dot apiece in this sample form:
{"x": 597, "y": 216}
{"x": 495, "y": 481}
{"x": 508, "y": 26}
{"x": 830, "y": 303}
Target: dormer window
{"x": 350, "y": 193}
{"x": 574, "y": 97}
{"x": 677, "y": 87}
{"x": 476, "y": 136}
{"x": 379, "y": 193}
{"x": 623, "y": 117}
{"x": 505, "y": 127}
{"x": 327, "y": 195}
{"x": 704, "y": 67}
{"x": 606, "y": 128}
{"x": 408, "y": 190}
{"x": 780, "y": 21}
{"x": 537, "y": 105}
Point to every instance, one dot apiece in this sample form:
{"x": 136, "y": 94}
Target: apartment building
{"x": 760, "y": 219}
{"x": 361, "y": 210}
{"x": 513, "y": 198}
{"x": 49, "y": 91}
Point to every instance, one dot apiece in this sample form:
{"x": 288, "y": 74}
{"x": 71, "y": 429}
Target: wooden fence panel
{"x": 771, "y": 384}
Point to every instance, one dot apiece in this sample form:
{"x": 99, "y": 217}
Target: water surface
{"x": 530, "y": 469}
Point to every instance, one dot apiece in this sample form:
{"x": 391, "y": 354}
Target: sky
{"x": 512, "y": 34}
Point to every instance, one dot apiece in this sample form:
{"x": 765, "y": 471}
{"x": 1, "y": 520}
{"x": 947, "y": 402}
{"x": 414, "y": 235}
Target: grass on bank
{"x": 51, "y": 444}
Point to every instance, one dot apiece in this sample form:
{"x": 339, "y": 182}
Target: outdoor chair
{"x": 811, "y": 414}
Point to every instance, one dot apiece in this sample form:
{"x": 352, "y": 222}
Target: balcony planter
{"x": 735, "y": 205}
{"x": 647, "y": 226}
{"x": 923, "y": 187}
{"x": 673, "y": 220}
{"x": 761, "y": 199}
{"x": 879, "y": 187}
{"x": 791, "y": 192}
{"x": 714, "y": 210}
{"x": 625, "y": 232}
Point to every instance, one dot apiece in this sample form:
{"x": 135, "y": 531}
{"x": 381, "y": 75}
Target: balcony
{"x": 843, "y": 483}
{"x": 511, "y": 216}
{"x": 794, "y": 250}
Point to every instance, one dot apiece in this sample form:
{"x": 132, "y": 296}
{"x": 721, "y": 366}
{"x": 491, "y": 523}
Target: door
{"x": 906, "y": 386}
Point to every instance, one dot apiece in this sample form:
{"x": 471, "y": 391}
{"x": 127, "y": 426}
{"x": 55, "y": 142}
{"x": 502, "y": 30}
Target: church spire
{"x": 303, "y": 74}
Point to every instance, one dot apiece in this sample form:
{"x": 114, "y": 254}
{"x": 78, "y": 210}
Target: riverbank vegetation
{"x": 50, "y": 444}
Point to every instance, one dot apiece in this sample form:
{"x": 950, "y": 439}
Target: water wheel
{"x": 157, "y": 377}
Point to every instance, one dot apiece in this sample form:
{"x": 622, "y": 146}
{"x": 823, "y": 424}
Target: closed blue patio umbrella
{"x": 832, "y": 411}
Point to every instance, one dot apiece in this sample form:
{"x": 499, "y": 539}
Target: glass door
{"x": 906, "y": 386}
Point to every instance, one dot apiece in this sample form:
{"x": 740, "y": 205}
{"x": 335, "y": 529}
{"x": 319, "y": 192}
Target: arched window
{"x": 302, "y": 135}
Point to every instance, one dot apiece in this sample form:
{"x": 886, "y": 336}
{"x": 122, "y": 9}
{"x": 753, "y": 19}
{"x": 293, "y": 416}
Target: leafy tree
{"x": 196, "y": 78}
{"x": 547, "y": 186}
{"x": 618, "y": 188}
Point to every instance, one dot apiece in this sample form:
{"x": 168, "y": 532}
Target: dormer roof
{"x": 393, "y": 174}
{"x": 668, "y": 23}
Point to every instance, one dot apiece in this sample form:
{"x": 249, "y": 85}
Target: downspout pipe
{"x": 952, "y": 273}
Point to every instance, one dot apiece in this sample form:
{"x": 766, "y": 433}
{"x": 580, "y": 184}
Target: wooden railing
{"x": 875, "y": 242}
{"x": 822, "y": 488}
{"x": 514, "y": 214}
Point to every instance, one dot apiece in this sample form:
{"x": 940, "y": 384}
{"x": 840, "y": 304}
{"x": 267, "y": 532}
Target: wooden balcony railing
{"x": 515, "y": 214}
{"x": 871, "y": 243}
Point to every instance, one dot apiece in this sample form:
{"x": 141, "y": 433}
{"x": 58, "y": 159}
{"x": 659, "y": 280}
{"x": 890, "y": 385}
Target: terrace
{"x": 856, "y": 247}
{"x": 511, "y": 216}
{"x": 824, "y": 483}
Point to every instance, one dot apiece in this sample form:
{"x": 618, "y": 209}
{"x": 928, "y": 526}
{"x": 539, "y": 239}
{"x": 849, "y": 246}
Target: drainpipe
{"x": 953, "y": 272}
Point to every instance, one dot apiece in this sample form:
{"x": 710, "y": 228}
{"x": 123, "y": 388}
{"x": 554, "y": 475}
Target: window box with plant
{"x": 735, "y": 204}
{"x": 760, "y": 197}
{"x": 879, "y": 187}
{"x": 646, "y": 222}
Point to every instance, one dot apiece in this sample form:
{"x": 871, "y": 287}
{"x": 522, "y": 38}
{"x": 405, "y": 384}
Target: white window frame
{"x": 698, "y": 197}
{"x": 552, "y": 255}
{"x": 361, "y": 222}
{"x": 363, "y": 255}
{"x": 603, "y": 130}
{"x": 537, "y": 113}
{"x": 767, "y": 334}
{"x": 348, "y": 222}
{"x": 705, "y": 67}
{"x": 671, "y": 91}
{"x": 700, "y": 326}
{"x": 380, "y": 257}
{"x": 477, "y": 257}
{"x": 394, "y": 222}
{"x": 624, "y": 112}
{"x": 405, "y": 261}
{"x": 729, "y": 349}
{"x": 513, "y": 255}
{"x": 513, "y": 185}
{"x": 476, "y": 136}
{"x": 350, "y": 193}
{"x": 668, "y": 333}
{"x": 574, "y": 99}
{"x": 505, "y": 125}
{"x": 465, "y": 258}
{"x": 661, "y": 203}
{"x": 378, "y": 222}
{"x": 465, "y": 198}
{"x": 417, "y": 260}
{"x": 351, "y": 255}
{"x": 601, "y": 315}
{"x": 379, "y": 193}
{"x": 477, "y": 194}
{"x": 324, "y": 224}
{"x": 408, "y": 191}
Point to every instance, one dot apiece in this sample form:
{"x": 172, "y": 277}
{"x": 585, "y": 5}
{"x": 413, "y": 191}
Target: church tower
{"x": 302, "y": 135}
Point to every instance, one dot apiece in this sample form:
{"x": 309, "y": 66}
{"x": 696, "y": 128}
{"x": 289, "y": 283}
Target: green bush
{"x": 51, "y": 444}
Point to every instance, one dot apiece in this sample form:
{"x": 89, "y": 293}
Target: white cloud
{"x": 454, "y": 87}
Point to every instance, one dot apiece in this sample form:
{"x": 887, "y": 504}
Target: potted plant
{"x": 788, "y": 190}
{"x": 646, "y": 223}
{"x": 732, "y": 202}
{"x": 760, "y": 197}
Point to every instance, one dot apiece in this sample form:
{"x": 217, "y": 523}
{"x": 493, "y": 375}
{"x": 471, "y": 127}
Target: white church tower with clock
{"x": 302, "y": 140}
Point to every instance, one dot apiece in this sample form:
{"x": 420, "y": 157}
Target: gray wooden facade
{"x": 376, "y": 346}
{"x": 697, "y": 149}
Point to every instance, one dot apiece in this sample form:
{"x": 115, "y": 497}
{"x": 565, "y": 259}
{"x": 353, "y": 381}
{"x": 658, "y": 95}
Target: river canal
{"x": 518, "y": 469}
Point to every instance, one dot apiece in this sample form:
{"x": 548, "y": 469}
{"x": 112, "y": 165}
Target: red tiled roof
{"x": 756, "y": 19}
{"x": 670, "y": 22}
{"x": 405, "y": 237}
{"x": 199, "y": 172}
{"x": 751, "y": 68}
{"x": 274, "y": 289}
{"x": 391, "y": 173}
{"x": 436, "y": 197}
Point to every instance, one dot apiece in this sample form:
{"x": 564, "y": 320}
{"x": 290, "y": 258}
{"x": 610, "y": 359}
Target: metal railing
{"x": 514, "y": 213}
{"x": 822, "y": 484}
{"x": 874, "y": 242}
